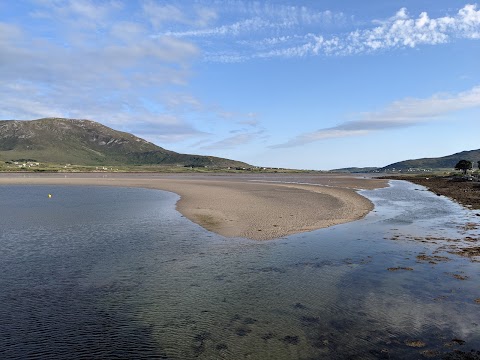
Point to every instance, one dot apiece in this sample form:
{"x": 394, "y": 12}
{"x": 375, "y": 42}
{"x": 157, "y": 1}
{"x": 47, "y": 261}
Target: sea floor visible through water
{"x": 103, "y": 273}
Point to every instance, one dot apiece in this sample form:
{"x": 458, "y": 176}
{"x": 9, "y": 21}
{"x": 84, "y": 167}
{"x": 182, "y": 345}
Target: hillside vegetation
{"x": 86, "y": 142}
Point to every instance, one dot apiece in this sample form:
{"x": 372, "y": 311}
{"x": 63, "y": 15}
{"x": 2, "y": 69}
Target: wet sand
{"x": 253, "y": 207}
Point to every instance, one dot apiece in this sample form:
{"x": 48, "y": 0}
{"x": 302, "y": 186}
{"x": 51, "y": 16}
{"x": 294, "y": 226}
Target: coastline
{"x": 242, "y": 206}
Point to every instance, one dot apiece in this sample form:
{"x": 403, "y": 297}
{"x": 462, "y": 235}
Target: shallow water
{"x": 100, "y": 272}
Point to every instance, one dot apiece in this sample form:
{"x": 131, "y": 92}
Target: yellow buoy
{"x": 49, "y": 196}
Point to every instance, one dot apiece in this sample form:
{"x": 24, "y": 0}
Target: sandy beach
{"x": 253, "y": 207}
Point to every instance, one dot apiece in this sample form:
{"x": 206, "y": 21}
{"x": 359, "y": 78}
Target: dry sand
{"x": 241, "y": 206}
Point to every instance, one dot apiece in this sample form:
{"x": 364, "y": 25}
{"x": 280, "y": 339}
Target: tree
{"x": 478, "y": 164}
{"x": 464, "y": 165}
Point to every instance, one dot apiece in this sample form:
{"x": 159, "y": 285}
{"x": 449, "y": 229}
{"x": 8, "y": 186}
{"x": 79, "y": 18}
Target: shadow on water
{"x": 118, "y": 273}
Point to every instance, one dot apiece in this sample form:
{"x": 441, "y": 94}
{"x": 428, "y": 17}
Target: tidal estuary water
{"x": 118, "y": 273}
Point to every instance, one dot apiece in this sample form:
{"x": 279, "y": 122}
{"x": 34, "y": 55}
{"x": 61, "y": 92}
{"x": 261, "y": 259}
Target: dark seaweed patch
{"x": 249, "y": 321}
{"x": 310, "y": 320}
{"x": 242, "y": 331}
{"x": 299, "y": 306}
{"x": 267, "y": 336}
{"x": 291, "y": 340}
{"x": 221, "y": 346}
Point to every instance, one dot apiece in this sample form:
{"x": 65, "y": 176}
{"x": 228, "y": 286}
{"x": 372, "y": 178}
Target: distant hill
{"x": 86, "y": 142}
{"x": 445, "y": 162}
{"x": 440, "y": 163}
{"x": 355, "y": 170}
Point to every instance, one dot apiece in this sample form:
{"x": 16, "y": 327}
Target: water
{"x": 109, "y": 273}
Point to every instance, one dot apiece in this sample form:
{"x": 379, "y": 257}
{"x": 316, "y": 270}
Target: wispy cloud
{"x": 400, "y": 114}
{"x": 252, "y": 120}
{"x": 239, "y": 137}
{"x": 161, "y": 15}
{"x": 85, "y": 14}
{"x": 298, "y": 34}
{"x": 181, "y": 101}
{"x": 261, "y": 18}
{"x": 231, "y": 142}
{"x": 256, "y": 29}
{"x": 162, "y": 129}
{"x": 244, "y": 26}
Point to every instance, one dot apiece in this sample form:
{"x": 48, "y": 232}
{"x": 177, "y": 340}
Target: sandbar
{"x": 258, "y": 208}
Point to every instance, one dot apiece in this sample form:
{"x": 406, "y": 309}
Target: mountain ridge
{"x": 86, "y": 142}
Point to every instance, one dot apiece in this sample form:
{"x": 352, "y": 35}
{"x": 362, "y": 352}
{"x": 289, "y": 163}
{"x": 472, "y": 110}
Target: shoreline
{"x": 465, "y": 193}
{"x": 242, "y": 206}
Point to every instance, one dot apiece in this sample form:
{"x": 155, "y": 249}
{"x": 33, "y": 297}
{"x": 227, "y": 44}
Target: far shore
{"x": 253, "y": 207}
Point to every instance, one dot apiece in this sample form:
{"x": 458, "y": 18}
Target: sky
{"x": 319, "y": 84}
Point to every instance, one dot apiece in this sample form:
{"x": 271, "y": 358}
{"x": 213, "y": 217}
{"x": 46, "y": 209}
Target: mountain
{"x": 86, "y": 142}
{"x": 445, "y": 162}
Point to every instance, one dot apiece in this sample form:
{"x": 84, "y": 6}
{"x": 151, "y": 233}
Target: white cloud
{"x": 99, "y": 64}
{"x": 294, "y": 35}
{"x": 403, "y": 31}
{"x": 399, "y": 114}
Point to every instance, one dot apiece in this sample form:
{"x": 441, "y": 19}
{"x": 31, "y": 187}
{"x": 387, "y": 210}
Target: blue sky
{"x": 297, "y": 84}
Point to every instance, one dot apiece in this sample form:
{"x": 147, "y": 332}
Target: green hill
{"x": 445, "y": 162}
{"x": 86, "y": 142}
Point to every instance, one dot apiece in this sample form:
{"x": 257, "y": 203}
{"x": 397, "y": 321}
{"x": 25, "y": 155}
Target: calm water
{"x": 110, "y": 273}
